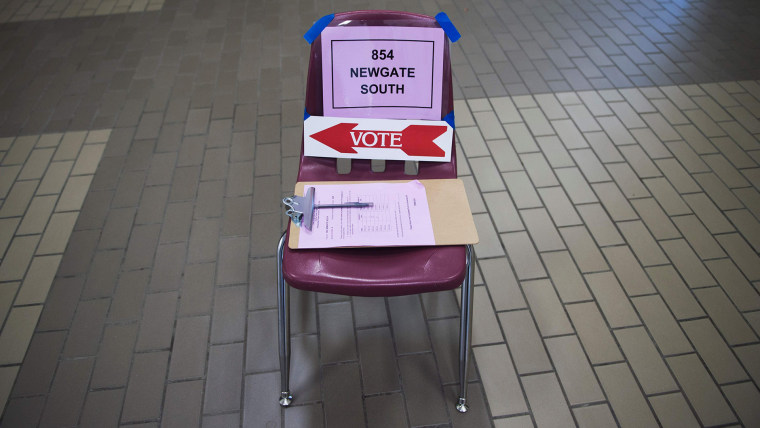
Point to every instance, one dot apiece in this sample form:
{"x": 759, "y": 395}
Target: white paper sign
{"x": 383, "y": 72}
{"x": 391, "y": 139}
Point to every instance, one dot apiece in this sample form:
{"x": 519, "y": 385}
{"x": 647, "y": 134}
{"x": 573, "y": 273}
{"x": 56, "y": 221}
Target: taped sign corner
{"x": 445, "y": 22}
{"x": 318, "y": 27}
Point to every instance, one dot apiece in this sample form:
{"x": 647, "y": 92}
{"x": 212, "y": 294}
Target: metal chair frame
{"x": 283, "y": 323}
{"x": 324, "y": 169}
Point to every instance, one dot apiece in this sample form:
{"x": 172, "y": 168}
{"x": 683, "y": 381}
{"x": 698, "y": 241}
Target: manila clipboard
{"x": 449, "y": 210}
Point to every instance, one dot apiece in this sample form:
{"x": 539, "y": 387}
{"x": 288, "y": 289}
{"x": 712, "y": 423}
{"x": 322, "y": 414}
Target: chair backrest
{"x": 325, "y": 169}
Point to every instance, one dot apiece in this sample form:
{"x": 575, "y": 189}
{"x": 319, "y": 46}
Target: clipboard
{"x": 449, "y": 210}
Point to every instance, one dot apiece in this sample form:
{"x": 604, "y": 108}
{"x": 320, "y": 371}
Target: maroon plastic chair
{"x": 373, "y": 272}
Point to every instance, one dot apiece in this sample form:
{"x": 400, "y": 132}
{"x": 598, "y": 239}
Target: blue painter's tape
{"x": 306, "y": 114}
{"x": 449, "y": 118}
{"x": 448, "y": 26}
{"x": 317, "y": 28}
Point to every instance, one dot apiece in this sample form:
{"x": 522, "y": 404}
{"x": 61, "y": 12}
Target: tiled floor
{"x": 43, "y": 182}
{"x": 25, "y": 10}
{"x": 610, "y": 150}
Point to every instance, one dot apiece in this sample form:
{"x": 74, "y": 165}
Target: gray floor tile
{"x": 742, "y": 254}
{"x": 19, "y": 257}
{"x": 574, "y": 370}
{"x": 503, "y": 211}
{"x": 499, "y": 380}
{"x": 576, "y": 186}
{"x": 655, "y": 219}
{"x": 708, "y": 213}
{"x": 228, "y": 320}
{"x": 114, "y": 356}
{"x": 584, "y": 250}
{"x": 102, "y": 408}
{"x": 559, "y": 206}
{"x": 256, "y": 411}
{"x": 546, "y": 400}
{"x": 641, "y": 163}
{"x": 21, "y": 411}
{"x": 522, "y": 255}
{"x": 542, "y": 230}
{"x": 675, "y": 293}
{"x": 601, "y": 226}
{"x": 715, "y": 353}
{"x": 157, "y": 326}
{"x": 597, "y": 340}
{"x": 378, "y": 361}
{"x": 546, "y": 308}
{"x": 34, "y": 289}
{"x": 741, "y": 397}
{"x": 521, "y": 190}
{"x": 699, "y": 237}
{"x": 337, "y": 342}
{"x": 223, "y": 380}
{"x": 36, "y": 375}
{"x": 726, "y": 317}
{"x": 37, "y": 216}
{"x": 524, "y": 342}
{"x": 502, "y": 284}
{"x": 182, "y": 404}
{"x": 489, "y": 244}
{"x": 688, "y": 264}
{"x": 646, "y": 362}
{"x": 604, "y": 147}
{"x": 370, "y": 311}
{"x": 627, "y": 180}
{"x": 625, "y": 398}
{"x": 597, "y": 415}
{"x": 672, "y": 410}
{"x": 408, "y": 325}
{"x": 590, "y": 165}
{"x": 486, "y": 174}
{"x": 555, "y": 152}
{"x": 307, "y": 416}
{"x": 386, "y": 411}
{"x": 67, "y": 393}
{"x": 614, "y": 201}
{"x": 569, "y": 134}
{"x": 188, "y": 358}
{"x": 711, "y": 407}
{"x": 484, "y": 324}
{"x": 566, "y": 278}
{"x": 734, "y": 284}
{"x": 342, "y": 403}
{"x": 615, "y": 306}
{"x": 145, "y": 387}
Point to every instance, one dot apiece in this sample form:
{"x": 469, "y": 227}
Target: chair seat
{"x": 374, "y": 272}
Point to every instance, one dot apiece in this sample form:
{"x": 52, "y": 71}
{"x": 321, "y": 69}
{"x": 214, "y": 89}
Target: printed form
{"x": 399, "y": 216}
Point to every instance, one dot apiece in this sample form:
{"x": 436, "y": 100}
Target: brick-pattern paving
{"x": 31, "y": 10}
{"x": 610, "y": 150}
{"x": 43, "y": 183}
{"x": 619, "y": 252}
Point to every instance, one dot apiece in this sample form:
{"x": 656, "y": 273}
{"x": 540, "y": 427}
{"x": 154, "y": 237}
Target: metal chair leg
{"x": 283, "y": 323}
{"x": 465, "y": 334}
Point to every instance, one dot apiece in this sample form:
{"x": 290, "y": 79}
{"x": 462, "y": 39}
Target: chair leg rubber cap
{"x": 285, "y": 399}
{"x": 462, "y": 406}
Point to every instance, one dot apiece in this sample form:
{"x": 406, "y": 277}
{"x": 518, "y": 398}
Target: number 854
{"x": 382, "y": 54}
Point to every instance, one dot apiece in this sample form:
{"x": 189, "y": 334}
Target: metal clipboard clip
{"x": 301, "y": 208}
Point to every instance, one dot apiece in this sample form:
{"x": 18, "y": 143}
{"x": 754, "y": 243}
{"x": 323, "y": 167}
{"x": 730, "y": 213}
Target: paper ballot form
{"x": 403, "y": 213}
{"x": 399, "y": 215}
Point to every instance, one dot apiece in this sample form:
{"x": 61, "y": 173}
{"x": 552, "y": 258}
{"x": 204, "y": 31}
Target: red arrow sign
{"x": 414, "y": 140}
